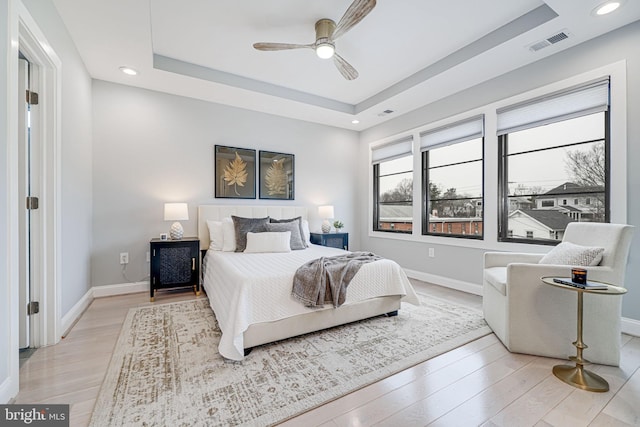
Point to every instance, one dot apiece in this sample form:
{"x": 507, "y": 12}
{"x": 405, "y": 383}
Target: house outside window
{"x": 552, "y": 150}
{"x": 393, "y": 186}
{"x": 452, "y": 179}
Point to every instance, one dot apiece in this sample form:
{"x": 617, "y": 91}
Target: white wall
{"x": 75, "y": 156}
{"x": 151, "y": 148}
{"x": 465, "y": 264}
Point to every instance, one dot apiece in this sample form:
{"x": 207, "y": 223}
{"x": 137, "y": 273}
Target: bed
{"x": 250, "y": 293}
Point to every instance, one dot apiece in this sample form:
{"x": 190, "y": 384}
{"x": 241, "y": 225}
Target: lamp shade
{"x": 176, "y": 212}
{"x": 325, "y": 211}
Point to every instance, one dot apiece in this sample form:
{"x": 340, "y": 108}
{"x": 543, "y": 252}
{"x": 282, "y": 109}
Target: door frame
{"x": 46, "y": 268}
{"x": 24, "y": 34}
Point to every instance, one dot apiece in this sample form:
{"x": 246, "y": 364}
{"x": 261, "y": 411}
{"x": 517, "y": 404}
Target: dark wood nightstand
{"x": 334, "y": 240}
{"x": 174, "y": 264}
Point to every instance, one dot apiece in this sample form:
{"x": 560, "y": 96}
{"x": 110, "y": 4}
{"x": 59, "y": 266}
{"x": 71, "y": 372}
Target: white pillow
{"x": 216, "y": 236}
{"x": 270, "y": 241}
{"x": 307, "y": 233}
{"x": 567, "y": 253}
{"x": 229, "y": 233}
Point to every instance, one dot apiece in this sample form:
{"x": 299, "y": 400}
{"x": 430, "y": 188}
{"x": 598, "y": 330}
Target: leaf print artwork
{"x": 276, "y": 178}
{"x": 235, "y": 173}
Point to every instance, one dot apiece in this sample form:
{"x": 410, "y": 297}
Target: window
{"x": 554, "y": 149}
{"x": 393, "y": 186}
{"x": 452, "y": 178}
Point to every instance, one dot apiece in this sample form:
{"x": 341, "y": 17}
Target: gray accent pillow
{"x": 244, "y": 225}
{"x": 567, "y": 253}
{"x": 297, "y": 219}
{"x": 296, "y": 241}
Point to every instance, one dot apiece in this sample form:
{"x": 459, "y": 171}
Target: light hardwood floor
{"x": 480, "y": 383}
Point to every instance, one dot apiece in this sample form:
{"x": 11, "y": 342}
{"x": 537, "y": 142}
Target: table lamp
{"x": 176, "y": 212}
{"x": 326, "y": 212}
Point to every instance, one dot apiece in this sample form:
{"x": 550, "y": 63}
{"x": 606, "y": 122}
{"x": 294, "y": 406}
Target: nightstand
{"x": 334, "y": 240}
{"x": 174, "y": 264}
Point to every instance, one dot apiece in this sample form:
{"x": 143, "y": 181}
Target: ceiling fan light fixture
{"x": 325, "y": 50}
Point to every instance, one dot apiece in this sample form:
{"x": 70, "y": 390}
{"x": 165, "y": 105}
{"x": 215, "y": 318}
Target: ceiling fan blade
{"x": 347, "y": 71}
{"x": 281, "y": 46}
{"x": 356, "y": 13}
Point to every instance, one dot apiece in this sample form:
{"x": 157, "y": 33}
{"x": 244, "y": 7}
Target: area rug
{"x": 166, "y": 371}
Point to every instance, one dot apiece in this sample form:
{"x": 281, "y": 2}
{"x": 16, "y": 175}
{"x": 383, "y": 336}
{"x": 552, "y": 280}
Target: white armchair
{"x": 531, "y": 317}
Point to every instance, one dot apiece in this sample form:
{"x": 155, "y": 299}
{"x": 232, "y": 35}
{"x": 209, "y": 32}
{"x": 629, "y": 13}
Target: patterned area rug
{"x": 166, "y": 370}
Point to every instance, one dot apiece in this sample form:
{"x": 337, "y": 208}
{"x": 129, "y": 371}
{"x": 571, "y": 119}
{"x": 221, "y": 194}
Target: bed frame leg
{"x": 247, "y": 351}
{"x": 392, "y": 313}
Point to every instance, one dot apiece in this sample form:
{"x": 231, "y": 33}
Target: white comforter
{"x": 251, "y": 288}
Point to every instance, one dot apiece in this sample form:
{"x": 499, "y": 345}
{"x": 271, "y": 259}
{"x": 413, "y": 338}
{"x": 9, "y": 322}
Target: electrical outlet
{"x": 148, "y": 257}
{"x": 124, "y": 257}
{"x": 432, "y": 252}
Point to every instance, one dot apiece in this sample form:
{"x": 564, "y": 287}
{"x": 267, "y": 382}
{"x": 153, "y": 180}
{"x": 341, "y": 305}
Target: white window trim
{"x": 617, "y": 72}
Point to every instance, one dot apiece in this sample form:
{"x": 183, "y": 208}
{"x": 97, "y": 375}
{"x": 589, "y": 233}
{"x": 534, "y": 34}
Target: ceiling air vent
{"x": 562, "y": 35}
{"x": 385, "y": 112}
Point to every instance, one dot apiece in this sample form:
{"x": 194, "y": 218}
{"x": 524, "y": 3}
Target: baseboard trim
{"x": 120, "y": 289}
{"x": 8, "y": 390}
{"x": 630, "y": 326}
{"x": 72, "y": 316}
{"x": 447, "y": 282}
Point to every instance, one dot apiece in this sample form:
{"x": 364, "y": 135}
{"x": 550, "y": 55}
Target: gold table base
{"x": 577, "y": 376}
{"x": 581, "y": 378}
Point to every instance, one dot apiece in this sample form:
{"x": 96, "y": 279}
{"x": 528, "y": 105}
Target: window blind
{"x": 461, "y": 131}
{"x": 574, "y": 102}
{"x": 392, "y": 150}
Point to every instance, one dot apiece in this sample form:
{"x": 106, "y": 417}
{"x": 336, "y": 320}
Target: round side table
{"x": 577, "y": 376}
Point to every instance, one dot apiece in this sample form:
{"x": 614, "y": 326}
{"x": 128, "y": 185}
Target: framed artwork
{"x": 235, "y": 172}
{"x": 277, "y": 176}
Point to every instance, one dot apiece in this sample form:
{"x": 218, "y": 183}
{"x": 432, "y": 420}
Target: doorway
{"x": 39, "y": 239}
{"x": 28, "y": 197}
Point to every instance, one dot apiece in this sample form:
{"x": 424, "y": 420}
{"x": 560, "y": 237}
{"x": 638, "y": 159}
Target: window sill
{"x": 462, "y": 243}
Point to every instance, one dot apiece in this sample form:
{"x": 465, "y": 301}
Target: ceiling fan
{"x": 327, "y": 31}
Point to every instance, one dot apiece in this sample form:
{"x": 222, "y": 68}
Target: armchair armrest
{"x": 502, "y": 259}
{"x": 523, "y": 279}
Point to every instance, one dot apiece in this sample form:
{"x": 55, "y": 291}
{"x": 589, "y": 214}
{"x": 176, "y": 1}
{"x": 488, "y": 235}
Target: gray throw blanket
{"x": 325, "y": 280}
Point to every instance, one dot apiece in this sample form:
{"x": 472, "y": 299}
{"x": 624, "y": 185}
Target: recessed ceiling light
{"x": 128, "y": 70}
{"x": 607, "y": 7}
{"x": 355, "y": 121}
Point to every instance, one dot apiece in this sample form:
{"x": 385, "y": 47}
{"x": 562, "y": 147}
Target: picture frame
{"x": 235, "y": 172}
{"x": 277, "y": 175}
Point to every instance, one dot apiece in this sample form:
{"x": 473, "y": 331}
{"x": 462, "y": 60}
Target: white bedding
{"x": 247, "y": 288}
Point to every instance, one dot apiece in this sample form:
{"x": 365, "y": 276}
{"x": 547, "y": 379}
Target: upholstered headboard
{"x": 218, "y": 212}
